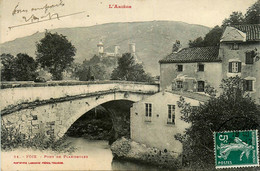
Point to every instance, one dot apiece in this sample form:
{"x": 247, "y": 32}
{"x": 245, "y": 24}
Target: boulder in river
{"x": 130, "y": 150}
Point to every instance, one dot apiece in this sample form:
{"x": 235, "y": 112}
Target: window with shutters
{"x": 179, "y": 68}
{"x": 234, "y": 67}
{"x": 148, "y": 112}
{"x": 248, "y": 85}
{"x": 249, "y": 58}
{"x": 201, "y": 85}
{"x": 179, "y": 84}
{"x": 171, "y": 114}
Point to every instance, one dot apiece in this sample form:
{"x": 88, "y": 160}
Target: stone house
{"x": 192, "y": 69}
{"x": 156, "y": 119}
{"x": 239, "y": 52}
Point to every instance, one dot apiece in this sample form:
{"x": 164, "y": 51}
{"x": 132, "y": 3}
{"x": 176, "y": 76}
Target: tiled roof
{"x": 193, "y": 95}
{"x": 195, "y": 54}
{"x": 252, "y": 31}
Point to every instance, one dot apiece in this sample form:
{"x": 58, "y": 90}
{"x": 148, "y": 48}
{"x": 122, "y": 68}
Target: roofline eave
{"x": 164, "y": 62}
{"x": 239, "y": 41}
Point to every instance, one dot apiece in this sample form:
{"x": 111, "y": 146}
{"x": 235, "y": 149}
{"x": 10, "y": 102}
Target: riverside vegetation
{"x": 12, "y": 138}
{"x": 94, "y": 125}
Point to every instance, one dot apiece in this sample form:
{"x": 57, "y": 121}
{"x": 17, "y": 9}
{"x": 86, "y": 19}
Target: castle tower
{"x": 117, "y": 48}
{"x": 132, "y": 48}
{"x": 132, "y": 51}
{"x": 100, "y": 48}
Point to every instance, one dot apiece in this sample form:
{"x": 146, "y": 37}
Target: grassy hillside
{"x": 153, "y": 40}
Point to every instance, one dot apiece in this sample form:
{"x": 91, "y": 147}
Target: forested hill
{"x": 153, "y": 39}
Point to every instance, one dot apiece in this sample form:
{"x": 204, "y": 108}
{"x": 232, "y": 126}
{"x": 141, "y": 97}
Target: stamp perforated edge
{"x": 237, "y": 166}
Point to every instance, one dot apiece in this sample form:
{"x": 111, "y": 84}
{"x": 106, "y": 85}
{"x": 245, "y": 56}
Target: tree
{"x": 234, "y": 19}
{"x": 24, "y": 68}
{"x": 93, "y": 69}
{"x": 252, "y": 15}
{"x": 232, "y": 110}
{"x": 198, "y": 42}
{"x": 55, "y": 52}
{"x": 83, "y": 73}
{"x": 94, "y": 60}
{"x": 212, "y": 38}
{"x": 7, "y": 68}
{"x": 20, "y": 68}
{"x": 128, "y": 70}
{"x": 87, "y": 73}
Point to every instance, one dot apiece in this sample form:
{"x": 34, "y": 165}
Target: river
{"x": 94, "y": 155}
{"x": 100, "y": 156}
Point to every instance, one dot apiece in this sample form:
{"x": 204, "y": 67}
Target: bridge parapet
{"x": 14, "y": 93}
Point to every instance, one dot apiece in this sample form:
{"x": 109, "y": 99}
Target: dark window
{"x": 35, "y": 117}
{"x": 234, "y": 67}
{"x": 171, "y": 114}
{"x": 234, "y": 46}
{"x": 180, "y": 68}
{"x": 200, "y": 67}
{"x": 249, "y": 85}
{"x": 201, "y": 86}
{"x": 148, "y": 110}
{"x": 249, "y": 58}
{"x": 179, "y": 84}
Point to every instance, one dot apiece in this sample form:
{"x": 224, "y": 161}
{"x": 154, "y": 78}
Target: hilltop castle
{"x": 116, "y": 53}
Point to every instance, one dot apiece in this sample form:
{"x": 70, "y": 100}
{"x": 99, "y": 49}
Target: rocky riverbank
{"x": 127, "y": 149}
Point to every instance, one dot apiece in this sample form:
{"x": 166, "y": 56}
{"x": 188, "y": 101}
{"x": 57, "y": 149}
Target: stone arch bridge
{"x": 52, "y": 107}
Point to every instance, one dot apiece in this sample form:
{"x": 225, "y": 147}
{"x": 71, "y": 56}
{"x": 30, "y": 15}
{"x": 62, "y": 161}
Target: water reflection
{"x": 129, "y": 165}
{"x": 101, "y": 158}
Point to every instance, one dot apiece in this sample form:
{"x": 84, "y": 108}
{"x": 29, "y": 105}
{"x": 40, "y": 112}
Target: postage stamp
{"x": 236, "y": 149}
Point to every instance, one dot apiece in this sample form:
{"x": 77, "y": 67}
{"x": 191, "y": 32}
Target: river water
{"x": 100, "y": 156}
{"x": 97, "y": 156}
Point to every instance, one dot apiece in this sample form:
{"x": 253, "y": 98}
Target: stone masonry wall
{"x": 211, "y": 75}
{"x": 14, "y": 96}
{"x": 56, "y": 117}
{"x": 247, "y": 70}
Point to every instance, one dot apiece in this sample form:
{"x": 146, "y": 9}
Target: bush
{"x": 12, "y": 138}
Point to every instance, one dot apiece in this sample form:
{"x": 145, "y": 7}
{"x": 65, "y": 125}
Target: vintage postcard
{"x": 129, "y": 84}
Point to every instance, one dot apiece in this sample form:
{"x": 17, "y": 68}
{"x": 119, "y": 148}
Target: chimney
{"x": 176, "y": 46}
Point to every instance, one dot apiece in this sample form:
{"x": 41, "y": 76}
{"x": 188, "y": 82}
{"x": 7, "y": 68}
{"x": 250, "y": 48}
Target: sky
{"x": 19, "y": 18}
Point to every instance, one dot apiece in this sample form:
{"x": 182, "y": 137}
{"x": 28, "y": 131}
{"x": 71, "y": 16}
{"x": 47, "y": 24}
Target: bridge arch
{"x": 57, "y": 116}
{"x": 104, "y": 99}
{"x": 52, "y": 107}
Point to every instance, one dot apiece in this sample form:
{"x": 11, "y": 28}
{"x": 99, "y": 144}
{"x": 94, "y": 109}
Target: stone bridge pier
{"x": 119, "y": 112}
